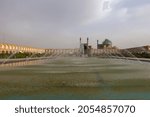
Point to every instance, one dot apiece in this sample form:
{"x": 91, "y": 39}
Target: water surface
{"x": 76, "y": 78}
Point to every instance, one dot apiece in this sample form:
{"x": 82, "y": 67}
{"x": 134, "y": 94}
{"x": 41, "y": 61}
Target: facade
{"x": 138, "y": 52}
{"x": 70, "y": 51}
{"x": 106, "y": 44}
{"x": 147, "y": 48}
{"x": 85, "y": 49}
{"x": 139, "y": 49}
{"x": 11, "y": 48}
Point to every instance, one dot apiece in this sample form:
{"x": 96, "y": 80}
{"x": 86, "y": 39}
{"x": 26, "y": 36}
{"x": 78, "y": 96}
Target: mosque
{"x": 86, "y": 49}
{"x": 106, "y": 44}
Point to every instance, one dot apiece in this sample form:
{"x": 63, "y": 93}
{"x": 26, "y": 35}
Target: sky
{"x": 60, "y": 23}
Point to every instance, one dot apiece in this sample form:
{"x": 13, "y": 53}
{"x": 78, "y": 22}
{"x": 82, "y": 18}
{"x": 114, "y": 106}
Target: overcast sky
{"x": 60, "y": 23}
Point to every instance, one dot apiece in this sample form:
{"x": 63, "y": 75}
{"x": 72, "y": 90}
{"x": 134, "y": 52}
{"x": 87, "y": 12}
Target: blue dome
{"x": 107, "y": 42}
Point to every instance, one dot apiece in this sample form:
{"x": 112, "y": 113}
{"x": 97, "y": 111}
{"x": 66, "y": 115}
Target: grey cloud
{"x": 59, "y": 23}
{"x": 132, "y": 3}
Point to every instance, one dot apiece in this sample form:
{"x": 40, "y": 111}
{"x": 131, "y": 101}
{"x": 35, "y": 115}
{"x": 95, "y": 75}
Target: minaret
{"x": 97, "y": 44}
{"x": 80, "y": 40}
{"x": 87, "y": 42}
{"x": 81, "y": 51}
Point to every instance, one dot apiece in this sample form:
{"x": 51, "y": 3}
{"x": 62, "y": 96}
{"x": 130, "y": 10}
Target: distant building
{"x": 140, "y": 49}
{"x": 139, "y": 52}
{"x": 106, "y": 44}
{"x": 11, "y": 48}
{"x": 147, "y": 48}
{"x": 85, "y": 49}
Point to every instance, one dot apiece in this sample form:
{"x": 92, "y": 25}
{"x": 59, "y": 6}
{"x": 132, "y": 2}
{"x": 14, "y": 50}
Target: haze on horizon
{"x": 60, "y": 23}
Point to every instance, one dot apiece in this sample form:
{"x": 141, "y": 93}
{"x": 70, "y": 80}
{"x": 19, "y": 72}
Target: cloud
{"x": 46, "y": 23}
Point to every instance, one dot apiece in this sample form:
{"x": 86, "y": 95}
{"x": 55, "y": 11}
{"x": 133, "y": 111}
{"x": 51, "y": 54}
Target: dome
{"x": 107, "y": 42}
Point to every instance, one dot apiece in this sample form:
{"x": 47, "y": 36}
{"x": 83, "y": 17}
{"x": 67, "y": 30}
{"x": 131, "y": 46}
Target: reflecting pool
{"x": 76, "y": 78}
